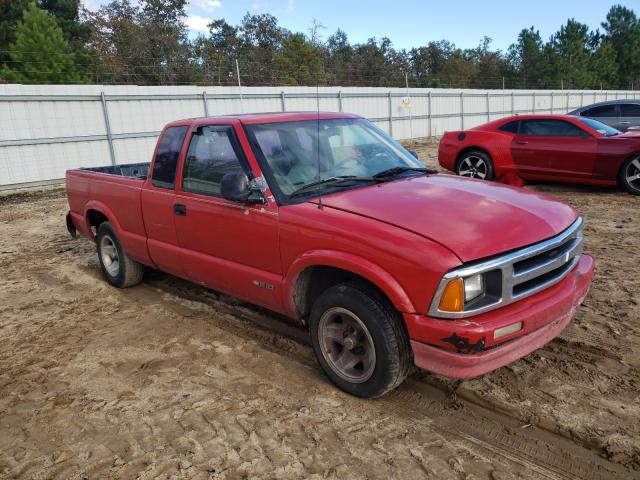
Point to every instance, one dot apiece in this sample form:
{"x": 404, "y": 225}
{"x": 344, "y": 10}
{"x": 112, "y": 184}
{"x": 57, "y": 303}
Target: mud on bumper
{"x": 557, "y": 309}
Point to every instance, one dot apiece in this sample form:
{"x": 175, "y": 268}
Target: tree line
{"x": 146, "y": 42}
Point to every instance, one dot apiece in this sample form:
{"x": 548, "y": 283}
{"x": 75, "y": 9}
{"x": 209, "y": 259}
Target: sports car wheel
{"x": 475, "y": 164}
{"x": 630, "y": 175}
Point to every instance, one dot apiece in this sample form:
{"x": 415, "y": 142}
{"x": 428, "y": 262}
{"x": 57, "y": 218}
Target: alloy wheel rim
{"x": 346, "y": 345}
{"x": 633, "y": 174}
{"x": 109, "y": 255}
{"x": 473, "y": 167}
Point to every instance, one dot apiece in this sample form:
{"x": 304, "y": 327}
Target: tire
{"x": 475, "y": 164}
{"x": 629, "y": 176}
{"x": 119, "y": 270}
{"x": 351, "y": 322}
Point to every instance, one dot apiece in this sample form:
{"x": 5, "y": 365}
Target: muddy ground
{"x": 168, "y": 380}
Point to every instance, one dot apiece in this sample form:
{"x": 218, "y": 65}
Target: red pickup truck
{"x": 324, "y": 218}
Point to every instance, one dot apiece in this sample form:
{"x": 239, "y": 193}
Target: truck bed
{"x": 114, "y": 191}
{"x": 132, "y": 170}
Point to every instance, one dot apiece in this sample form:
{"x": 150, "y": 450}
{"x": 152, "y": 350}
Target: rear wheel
{"x": 359, "y": 340}
{"x": 475, "y": 164}
{"x": 116, "y": 265}
{"x": 629, "y": 176}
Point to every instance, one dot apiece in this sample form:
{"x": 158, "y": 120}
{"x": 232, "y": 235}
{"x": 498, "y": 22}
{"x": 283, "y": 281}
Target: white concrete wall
{"x": 47, "y": 129}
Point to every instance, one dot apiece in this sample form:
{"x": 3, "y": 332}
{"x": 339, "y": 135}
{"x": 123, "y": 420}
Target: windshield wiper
{"x": 390, "y": 172}
{"x": 330, "y": 180}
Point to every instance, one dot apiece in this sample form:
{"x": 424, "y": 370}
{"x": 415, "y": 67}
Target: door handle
{"x": 180, "y": 209}
{"x": 521, "y": 142}
{"x": 625, "y": 122}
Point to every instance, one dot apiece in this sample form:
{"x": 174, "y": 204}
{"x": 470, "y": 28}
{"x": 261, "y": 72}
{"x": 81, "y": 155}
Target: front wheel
{"x": 630, "y": 176}
{"x": 475, "y": 164}
{"x": 359, "y": 340}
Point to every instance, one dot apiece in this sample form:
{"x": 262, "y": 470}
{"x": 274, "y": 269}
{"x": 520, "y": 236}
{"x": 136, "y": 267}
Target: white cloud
{"x": 206, "y": 5}
{"x": 92, "y": 5}
{"x": 198, "y": 24}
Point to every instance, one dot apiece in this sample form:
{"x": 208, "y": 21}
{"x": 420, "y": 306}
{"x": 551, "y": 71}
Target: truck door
{"x": 158, "y": 200}
{"x": 226, "y": 246}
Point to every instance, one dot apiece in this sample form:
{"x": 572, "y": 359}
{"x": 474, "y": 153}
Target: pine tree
{"x": 40, "y": 52}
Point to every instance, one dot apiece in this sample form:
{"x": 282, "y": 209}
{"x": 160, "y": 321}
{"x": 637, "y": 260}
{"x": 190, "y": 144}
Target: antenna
{"x": 320, "y": 206}
{"x": 239, "y": 87}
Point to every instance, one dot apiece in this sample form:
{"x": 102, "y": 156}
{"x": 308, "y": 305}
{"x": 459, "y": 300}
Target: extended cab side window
{"x": 213, "y": 152}
{"x": 166, "y": 161}
{"x": 551, "y": 128}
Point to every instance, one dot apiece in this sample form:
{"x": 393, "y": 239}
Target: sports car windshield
{"x": 599, "y": 127}
{"x": 313, "y": 156}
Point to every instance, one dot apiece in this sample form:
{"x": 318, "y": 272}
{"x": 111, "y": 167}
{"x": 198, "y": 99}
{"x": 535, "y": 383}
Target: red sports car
{"x": 558, "y": 148}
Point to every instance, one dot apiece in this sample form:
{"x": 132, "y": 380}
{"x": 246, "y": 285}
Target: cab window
{"x": 213, "y": 152}
{"x": 166, "y": 161}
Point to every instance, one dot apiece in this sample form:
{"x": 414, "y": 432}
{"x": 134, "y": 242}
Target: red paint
{"x": 402, "y": 236}
{"x": 593, "y": 159}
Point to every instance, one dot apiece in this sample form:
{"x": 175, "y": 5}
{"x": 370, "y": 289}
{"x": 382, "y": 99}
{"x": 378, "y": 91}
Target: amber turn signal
{"x": 452, "y": 299}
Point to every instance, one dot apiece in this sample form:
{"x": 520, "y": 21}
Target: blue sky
{"x": 411, "y": 22}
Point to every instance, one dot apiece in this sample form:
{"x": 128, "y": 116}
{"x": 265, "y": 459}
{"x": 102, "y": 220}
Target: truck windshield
{"x": 314, "y": 156}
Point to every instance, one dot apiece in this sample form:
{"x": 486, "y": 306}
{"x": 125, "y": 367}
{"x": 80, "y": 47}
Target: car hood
{"x": 472, "y": 218}
{"x": 629, "y": 134}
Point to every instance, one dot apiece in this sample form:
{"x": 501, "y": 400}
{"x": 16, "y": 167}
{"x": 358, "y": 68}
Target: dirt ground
{"x": 169, "y": 380}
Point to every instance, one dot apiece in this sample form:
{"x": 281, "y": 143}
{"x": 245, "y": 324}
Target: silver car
{"x": 619, "y": 114}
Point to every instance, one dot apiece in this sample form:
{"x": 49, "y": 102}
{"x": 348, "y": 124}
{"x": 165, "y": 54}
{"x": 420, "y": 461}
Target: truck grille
{"x": 520, "y": 273}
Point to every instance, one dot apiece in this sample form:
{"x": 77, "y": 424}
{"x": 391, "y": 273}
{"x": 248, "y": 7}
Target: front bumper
{"x": 544, "y": 316}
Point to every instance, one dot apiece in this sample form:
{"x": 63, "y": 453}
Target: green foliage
{"x": 622, "y": 30}
{"x": 40, "y": 52}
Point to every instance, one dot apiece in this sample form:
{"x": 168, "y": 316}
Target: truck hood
{"x": 472, "y": 218}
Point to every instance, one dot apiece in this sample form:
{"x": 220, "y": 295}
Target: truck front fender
{"x": 350, "y": 263}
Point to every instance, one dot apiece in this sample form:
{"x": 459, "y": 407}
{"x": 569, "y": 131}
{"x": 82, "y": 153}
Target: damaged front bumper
{"x": 467, "y": 348}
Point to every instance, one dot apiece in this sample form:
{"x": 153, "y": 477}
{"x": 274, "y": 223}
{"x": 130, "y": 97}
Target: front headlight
{"x": 460, "y": 291}
{"x": 473, "y": 287}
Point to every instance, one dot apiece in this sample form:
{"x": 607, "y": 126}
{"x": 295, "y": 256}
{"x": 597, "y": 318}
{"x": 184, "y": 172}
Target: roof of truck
{"x": 269, "y": 117}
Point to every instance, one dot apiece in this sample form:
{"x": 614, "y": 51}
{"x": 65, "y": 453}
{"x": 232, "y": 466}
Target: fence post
{"x": 533, "y": 110}
{"x": 204, "y": 104}
{"x": 340, "y": 100}
{"x": 282, "y": 100}
{"x": 568, "y": 100}
{"x": 488, "y": 107}
{"x": 582, "y": 98}
{"x": 390, "y": 114}
{"x": 551, "y": 102}
{"x": 461, "y": 110}
{"x": 429, "y": 113}
{"x": 107, "y": 126}
{"x": 513, "y": 103}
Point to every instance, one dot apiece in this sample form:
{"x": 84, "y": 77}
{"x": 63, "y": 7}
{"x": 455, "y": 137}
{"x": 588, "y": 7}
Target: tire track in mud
{"x": 543, "y": 451}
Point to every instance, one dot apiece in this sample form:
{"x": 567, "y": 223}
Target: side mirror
{"x": 235, "y": 186}
{"x": 412, "y": 152}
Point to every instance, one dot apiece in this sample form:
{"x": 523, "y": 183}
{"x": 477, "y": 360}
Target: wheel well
{"x": 314, "y": 280}
{"x": 471, "y": 149}
{"x": 619, "y": 173}
{"x": 95, "y": 219}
